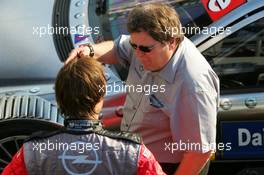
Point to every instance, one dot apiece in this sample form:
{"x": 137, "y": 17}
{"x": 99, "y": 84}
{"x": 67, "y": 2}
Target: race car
{"x": 37, "y": 37}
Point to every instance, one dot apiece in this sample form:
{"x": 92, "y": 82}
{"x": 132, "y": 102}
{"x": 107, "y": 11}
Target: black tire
{"x": 20, "y": 116}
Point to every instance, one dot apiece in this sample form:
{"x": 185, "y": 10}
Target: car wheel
{"x": 20, "y": 116}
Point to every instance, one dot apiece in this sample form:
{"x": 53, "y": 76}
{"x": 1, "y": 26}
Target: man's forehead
{"x": 142, "y": 37}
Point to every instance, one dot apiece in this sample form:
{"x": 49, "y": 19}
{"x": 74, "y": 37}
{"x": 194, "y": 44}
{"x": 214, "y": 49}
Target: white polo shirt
{"x": 174, "y": 107}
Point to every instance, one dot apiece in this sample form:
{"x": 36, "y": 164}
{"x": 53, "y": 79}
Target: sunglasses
{"x": 145, "y": 49}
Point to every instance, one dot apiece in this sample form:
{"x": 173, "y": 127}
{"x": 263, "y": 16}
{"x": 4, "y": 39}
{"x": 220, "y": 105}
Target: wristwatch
{"x": 91, "y": 49}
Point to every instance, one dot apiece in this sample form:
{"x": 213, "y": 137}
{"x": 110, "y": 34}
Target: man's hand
{"x": 193, "y": 163}
{"x": 81, "y": 52}
{"x": 103, "y": 52}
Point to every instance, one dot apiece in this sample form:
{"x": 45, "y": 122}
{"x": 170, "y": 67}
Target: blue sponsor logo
{"x": 246, "y": 137}
{"x": 78, "y": 38}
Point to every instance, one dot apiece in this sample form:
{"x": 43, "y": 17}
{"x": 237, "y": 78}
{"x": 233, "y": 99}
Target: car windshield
{"x": 237, "y": 60}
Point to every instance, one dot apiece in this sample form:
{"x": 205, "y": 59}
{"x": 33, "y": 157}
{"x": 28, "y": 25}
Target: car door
{"x": 237, "y": 56}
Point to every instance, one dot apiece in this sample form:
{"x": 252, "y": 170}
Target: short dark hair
{"x": 79, "y": 86}
{"x": 156, "y": 19}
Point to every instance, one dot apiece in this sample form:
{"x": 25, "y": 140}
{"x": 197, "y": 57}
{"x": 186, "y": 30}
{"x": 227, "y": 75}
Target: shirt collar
{"x": 169, "y": 71}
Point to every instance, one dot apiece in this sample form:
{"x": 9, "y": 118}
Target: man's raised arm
{"x": 103, "y": 52}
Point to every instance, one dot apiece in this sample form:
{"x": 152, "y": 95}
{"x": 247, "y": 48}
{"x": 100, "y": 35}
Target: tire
{"x": 20, "y": 116}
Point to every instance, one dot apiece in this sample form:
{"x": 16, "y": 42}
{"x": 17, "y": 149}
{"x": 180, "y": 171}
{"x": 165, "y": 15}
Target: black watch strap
{"x": 91, "y": 50}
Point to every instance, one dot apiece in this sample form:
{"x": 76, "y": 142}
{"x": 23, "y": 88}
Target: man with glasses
{"x": 178, "y": 124}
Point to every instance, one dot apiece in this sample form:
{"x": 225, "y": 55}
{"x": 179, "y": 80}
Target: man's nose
{"x": 139, "y": 53}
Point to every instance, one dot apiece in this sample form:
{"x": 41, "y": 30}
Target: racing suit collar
{"x": 82, "y": 125}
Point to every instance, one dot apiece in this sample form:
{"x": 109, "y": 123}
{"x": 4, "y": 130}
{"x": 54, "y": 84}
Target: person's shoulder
{"x": 41, "y": 135}
{"x": 188, "y": 42}
{"x": 121, "y": 135}
{"x": 122, "y": 39}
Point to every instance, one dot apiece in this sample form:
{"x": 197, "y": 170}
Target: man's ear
{"x": 173, "y": 43}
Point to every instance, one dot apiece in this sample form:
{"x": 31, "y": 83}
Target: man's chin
{"x": 152, "y": 69}
{"x": 148, "y": 68}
